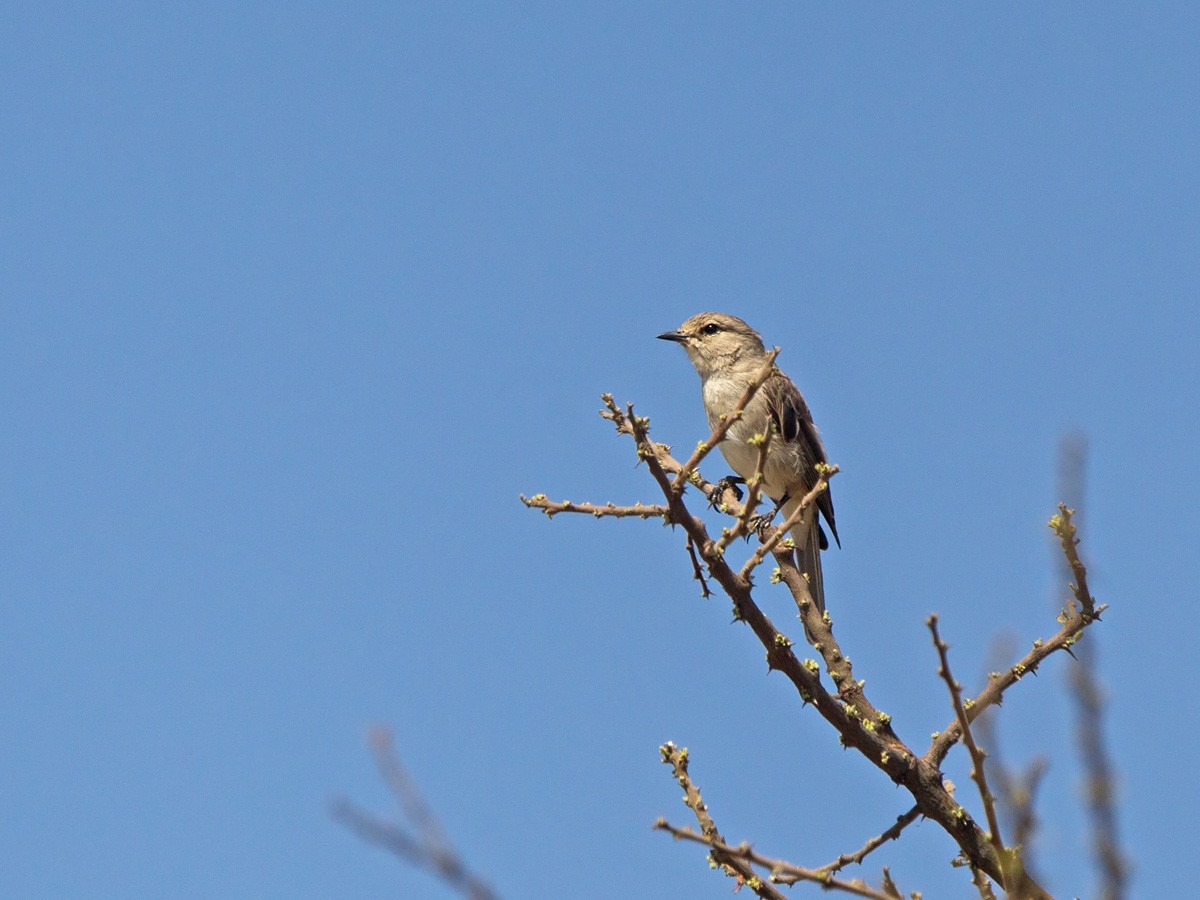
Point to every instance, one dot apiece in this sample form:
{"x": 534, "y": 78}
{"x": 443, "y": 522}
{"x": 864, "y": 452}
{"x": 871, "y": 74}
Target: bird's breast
{"x": 721, "y": 395}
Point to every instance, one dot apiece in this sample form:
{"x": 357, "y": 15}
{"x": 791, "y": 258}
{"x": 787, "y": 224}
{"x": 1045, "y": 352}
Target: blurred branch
{"x": 426, "y": 845}
{"x": 1099, "y": 782}
{"x": 1017, "y": 792}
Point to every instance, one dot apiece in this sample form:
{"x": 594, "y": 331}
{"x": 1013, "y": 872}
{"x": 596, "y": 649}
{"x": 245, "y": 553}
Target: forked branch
{"x": 846, "y": 706}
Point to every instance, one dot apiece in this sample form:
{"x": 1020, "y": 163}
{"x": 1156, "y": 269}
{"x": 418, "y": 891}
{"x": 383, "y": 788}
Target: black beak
{"x": 672, "y": 336}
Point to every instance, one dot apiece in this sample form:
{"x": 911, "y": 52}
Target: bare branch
{"x": 982, "y": 884}
{"x": 553, "y": 507}
{"x": 977, "y": 755}
{"x": 902, "y": 822}
{"x": 781, "y": 872}
{"x": 1064, "y": 528}
{"x": 860, "y": 724}
{"x": 697, "y": 571}
{"x": 1074, "y": 619}
{"x": 732, "y": 864}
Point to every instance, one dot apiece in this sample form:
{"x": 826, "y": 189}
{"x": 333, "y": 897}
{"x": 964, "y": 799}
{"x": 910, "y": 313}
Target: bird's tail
{"x": 807, "y": 536}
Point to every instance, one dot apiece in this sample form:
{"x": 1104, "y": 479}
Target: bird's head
{"x": 717, "y": 342}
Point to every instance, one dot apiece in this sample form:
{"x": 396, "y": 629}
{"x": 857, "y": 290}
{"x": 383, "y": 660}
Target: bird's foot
{"x": 759, "y": 524}
{"x": 728, "y": 483}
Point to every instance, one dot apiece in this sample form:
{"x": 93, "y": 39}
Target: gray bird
{"x": 728, "y": 353}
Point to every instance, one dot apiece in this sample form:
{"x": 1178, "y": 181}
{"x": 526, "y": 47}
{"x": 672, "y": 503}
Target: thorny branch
{"x": 552, "y": 508}
{"x": 781, "y": 872}
{"x": 753, "y": 494}
{"x": 1073, "y": 622}
{"x": 902, "y": 822}
{"x": 978, "y": 774}
{"x": 739, "y": 860}
{"x": 860, "y": 724}
{"x": 732, "y": 864}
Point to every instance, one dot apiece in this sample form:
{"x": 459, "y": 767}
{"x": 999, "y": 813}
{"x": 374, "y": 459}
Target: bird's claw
{"x": 728, "y": 483}
{"x": 759, "y": 524}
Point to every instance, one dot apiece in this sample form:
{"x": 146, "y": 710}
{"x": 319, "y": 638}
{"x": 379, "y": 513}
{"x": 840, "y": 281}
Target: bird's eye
{"x": 711, "y": 328}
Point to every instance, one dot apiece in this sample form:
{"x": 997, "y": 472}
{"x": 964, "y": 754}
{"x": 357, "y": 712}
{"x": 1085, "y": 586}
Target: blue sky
{"x": 298, "y": 298}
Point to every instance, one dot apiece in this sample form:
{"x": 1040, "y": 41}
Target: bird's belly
{"x": 743, "y": 459}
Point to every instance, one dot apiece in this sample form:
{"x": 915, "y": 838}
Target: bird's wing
{"x": 790, "y": 414}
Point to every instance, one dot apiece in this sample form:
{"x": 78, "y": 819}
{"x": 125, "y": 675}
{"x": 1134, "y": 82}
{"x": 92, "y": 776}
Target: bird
{"x": 728, "y": 353}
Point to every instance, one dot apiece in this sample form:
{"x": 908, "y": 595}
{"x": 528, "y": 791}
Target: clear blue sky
{"x": 295, "y": 299}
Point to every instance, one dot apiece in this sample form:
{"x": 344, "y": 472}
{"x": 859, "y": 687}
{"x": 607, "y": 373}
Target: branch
{"x": 427, "y": 846}
{"x": 697, "y": 571}
{"x": 859, "y": 723}
{"x": 977, "y": 754}
{"x": 1064, "y": 528}
{"x": 732, "y": 863}
{"x": 1074, "y": 619}
{"x": 781, "y": 872}
{"x": 980, "y": 880}
{"x": 552, "y": 508}
{"x": 902, "y": 822}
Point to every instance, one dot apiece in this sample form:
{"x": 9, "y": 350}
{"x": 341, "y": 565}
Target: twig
{"x": 1064, "y": 528}
{"x": 1074, "y": 619}
{"x": 733, "y": 865}
{"x": 781, "y": 872}
{"x": 982, "y": 884}
{"x": 774, "y": 537}
{"x": 753, "y": 495}
{"x": 622, "y": 421}
{"x": 977, "y": 755}
{"x": 697, "y": 571}
{"x": 553, "y": 507}
{"x": 902, "y": 822}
